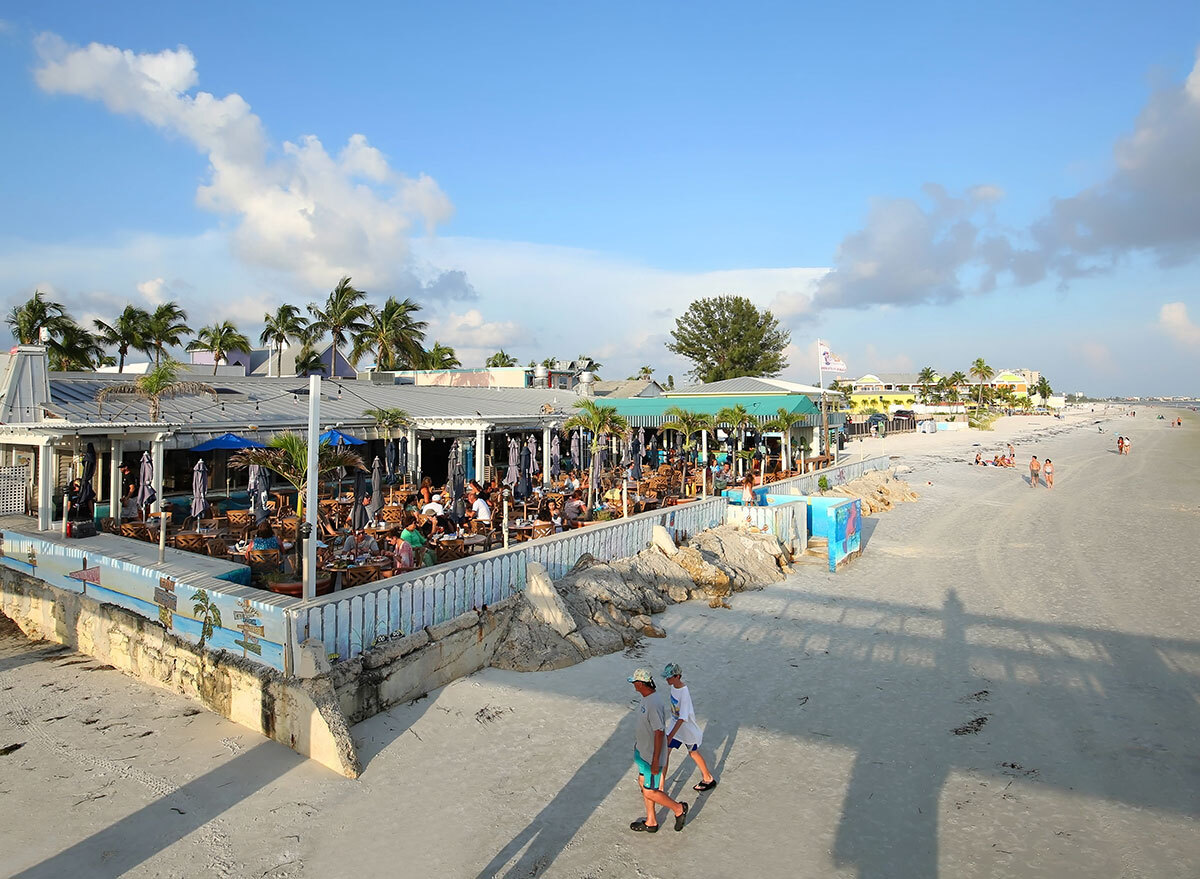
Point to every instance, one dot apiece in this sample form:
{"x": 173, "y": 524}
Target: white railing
{"x": 348, "y": 622}
{"x": 788, "y": 522}
{"x": 838, "y": 474}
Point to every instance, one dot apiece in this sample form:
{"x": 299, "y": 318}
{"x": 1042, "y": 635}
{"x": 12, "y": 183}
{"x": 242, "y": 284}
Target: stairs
{"x": 817, "y": 552}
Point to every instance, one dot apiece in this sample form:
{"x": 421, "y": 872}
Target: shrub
{"x": 823, "y": 483}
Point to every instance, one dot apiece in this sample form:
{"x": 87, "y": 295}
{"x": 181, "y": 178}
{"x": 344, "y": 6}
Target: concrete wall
{"x": 303, "y": 715}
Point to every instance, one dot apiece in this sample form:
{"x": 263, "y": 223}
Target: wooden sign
{"x": 167, "y": 601}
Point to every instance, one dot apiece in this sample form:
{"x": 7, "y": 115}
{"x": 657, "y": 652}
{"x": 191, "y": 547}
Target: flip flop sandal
{"x": 705, "y": 785}
{"x": 641, "y": 825}
{"x": 681, "y": 817}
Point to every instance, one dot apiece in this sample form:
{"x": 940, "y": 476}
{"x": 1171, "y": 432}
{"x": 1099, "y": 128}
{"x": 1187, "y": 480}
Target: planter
{"x": 296, "y": 588}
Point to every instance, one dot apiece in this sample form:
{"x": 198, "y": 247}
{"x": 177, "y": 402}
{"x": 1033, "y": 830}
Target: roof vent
{"x": 26, "y": 386}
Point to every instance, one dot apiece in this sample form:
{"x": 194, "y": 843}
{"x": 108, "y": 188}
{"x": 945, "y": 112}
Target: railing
{"x": 350, "y": 621}
{"x": 838, "y": 474}
{"x": 787, "y": 521}
{"x": 893, "y": 425}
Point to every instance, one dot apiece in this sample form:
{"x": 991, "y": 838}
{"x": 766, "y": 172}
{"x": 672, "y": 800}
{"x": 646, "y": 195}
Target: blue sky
{"x": 559, "y": 180}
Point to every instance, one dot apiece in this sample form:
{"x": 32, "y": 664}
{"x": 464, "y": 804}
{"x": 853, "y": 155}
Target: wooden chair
{"x": 286, "y": 529}
{"x": 324, "y": 556}
{"x": 542, "y": 529}
{"x": 264, "y": 561}
{"x": 391, "y": 515}
{"x": 218, "y": 549}
{"x": 352, "y": 577}
{"x": 450, "y": 551}
{"x": 109, "y": 526}
{"x": 134, "y": 530}
{"x": 190, "y": 542}
{"x": 240, "y": 521}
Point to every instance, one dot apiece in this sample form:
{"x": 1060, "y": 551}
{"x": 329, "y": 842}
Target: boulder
{"x": 653, "y": 631}
{"x": 601, "y": 641}
{"x": 752, "y": 559}
{"x": 531, "y": 645}
{"x": 704, "y": 574}
{"x": 546, "y": 603}
{"x": 661, "y": 539}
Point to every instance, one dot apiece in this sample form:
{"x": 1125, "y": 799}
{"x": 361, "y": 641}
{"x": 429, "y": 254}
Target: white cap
{"x": 437, "y": 497}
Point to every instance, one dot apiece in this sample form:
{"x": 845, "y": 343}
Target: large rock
{"x": 545, "y": 601}
{"x": 751, "y": 559}
{"x": 661, "y": 538}
{"x": 704, "y": 574}
{"x": 531, "y": 645}
{"x": 601, "y": 640}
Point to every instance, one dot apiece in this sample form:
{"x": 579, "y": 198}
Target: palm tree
{"x": 588, "y": 363}
{"x": 738, "y": 419}
{"x": 388, "y": 419}
{"x": 345, "y": 314}
{"x": 287, "y": 454}
{"x": 598, "y": 420}
{"x": 783, "y": 422}
{"x": 207, "y": 613}
{"x": 167, "y": 326}
{"x": 392, "y": 333}
{"x": 841, "y": 392}
{"x": 438, "y": 357}
{"x": 1044, "y": 390}
{"x": 309, "y": 361}
{"x": 982, "y": 373}
{"x": 220, "y": 339}
{"x": 74, "y": 348}
{"x": 30, "y": 318}
{"x": 127, "y": 331}
{"x": 285, "y": 324}
{"x": 500, "y": 360}
{"x": 689, "y": 424}
{"x": 159, "y": 383}
{"x": 926, "y": 378}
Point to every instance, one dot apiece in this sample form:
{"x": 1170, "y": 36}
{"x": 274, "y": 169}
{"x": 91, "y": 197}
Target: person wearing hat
{"x": 649, "y": 749}
{"x": 434, "y": 507}
{"x": 685, "y": 731}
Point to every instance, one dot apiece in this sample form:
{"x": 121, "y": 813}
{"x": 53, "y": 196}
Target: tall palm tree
{"x": 1044, "y": 390}
{"x": 74, "y": 348}
{"x": 438, "y": 357}
{"x": 344, "y": 315}
{"x": 954, "y": 382}
{"x": 28, "y": 319}
{"x": 500, "y": 360}
{"x": 689, "y": 424}
{"x": 167, "y": 327}
{"x": 598, "y": 420}
{"x": 926, "y": 378}
{"x": 127, "y": 331}
{"x": 220, "y": 339}
{"x": 391, "y": 333}
{"x": 309, "y": 361}
{"x": 388, "y": 420}
{"x": 783, "y": 422}
{"x": 982, "y": 373}
{"x": 160, "y": 382}
{"x": 279, "y": 328}
{"x": 738, "y": 419}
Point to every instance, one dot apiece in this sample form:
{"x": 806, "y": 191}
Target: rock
{"x": 677, "y": 593}
{"x": 531, "y": 645}
{"x": 311, "y": 659}
{"x": 601, "y": 641}
{"x": 640, "y": 621}
{"x": 752, "y": 559}
{"x": 661, "y": 539}
{"x": 653, "y": 631}
{"x": 545, "y": 601}
{"x": 704, "y": 574}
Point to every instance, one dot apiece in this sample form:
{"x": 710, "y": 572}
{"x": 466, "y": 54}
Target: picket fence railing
{"x": 838, "y": 474}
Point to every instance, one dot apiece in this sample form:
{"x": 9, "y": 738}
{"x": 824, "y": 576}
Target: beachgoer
{"x": 264, "y": 537}
{"x": 1012, "y": 451}
{"x": 978, "y": 458}
{"x": 1048, "y": 472}
{"x": 686, "y": 732}
{"x": 1120, "y": 445}
{"x": 1034, "y": 469}
{"x": 648, "y": 751}
{"x": 1126, "y": 451}
{"x": 748, "y": 498}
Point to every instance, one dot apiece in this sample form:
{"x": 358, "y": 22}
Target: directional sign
{"x": 166, "y": 599}
{"x": 251, "y": 644}
{"x": 252, "y": 629}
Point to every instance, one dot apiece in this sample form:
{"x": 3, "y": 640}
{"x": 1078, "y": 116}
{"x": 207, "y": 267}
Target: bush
{"x": 823, "y": 483}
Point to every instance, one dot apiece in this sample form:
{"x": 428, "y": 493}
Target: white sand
{"x": 1068, "y": 619}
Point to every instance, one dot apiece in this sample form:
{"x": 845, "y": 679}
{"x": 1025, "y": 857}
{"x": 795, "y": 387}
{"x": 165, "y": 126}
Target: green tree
{"x": 72, "y": 348}
{"x": 983, "y": 374}
{"x": 309, "y": 361}
{"x": 388, "y": 420}
{"x": 125, "y": 332}
{"x": 207, "y": 613}
{"x": 500, "y": 359}
{"x": 28, "y": 319}
{"x": 726, "y": 337}
{"x": 392, "y": 333}
{"x": 219, "y": 339}
{"x": 589, "y": 364}
{"x": 279, "y": 328}
{"x": 783, "y": 422}
{"x": 167, "y": 327}
{"x": 160, "y": 383}
{"x": 344, "y": 316}
{"x": 738, "y": 419}
{"x": 438, "y": 357}
{"x": 927, "y": 379}
{"x": 1044, "y": 390}
{"x": 690, "y": 425}
{"x": 598, "y": 420}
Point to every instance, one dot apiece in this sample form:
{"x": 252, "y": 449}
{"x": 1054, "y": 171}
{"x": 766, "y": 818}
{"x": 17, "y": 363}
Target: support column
{"x": 117, "y": 449}
{"x": 419, "y": 462}
{"x": 704, "y": 463}
{"x": 480, "y": 454}
{"x": 156, "y": 458}
{"x": 546, "y": 456}
{"x": 45, "y": 455}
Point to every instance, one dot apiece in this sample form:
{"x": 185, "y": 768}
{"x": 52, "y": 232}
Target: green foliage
{"x": 208, "y": 614}
{"x": 823, "y": 483}
{"x": 726, "y": 337}
{"x": 159, "y": 383}
{"x": 28, "y": 319}
{"x": 690, "y": 424}
{"x": 388, "y": 419}
{"x": 219, "y": 339}
{"x": 345, "y": 314}
{"x": 166, "y": 327}
{"x": 287, "y": 454}
{"x": 500, "y": 359}
{"x": 438, "y": 357}
{"x": 598, "y": 420}
{"x": 392, "y": 333}
{"x": 127, "y": 331}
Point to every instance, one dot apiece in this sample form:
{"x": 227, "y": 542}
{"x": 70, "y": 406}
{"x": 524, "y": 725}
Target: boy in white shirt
{"x": 684, "y": 730}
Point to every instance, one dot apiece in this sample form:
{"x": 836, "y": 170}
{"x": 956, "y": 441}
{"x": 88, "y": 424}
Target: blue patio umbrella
{"x": 334, "y": 436}
{"x": 228, "y": 441}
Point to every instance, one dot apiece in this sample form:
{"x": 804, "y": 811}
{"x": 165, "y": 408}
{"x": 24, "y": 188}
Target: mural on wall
{"x": 846, "y": 536}
{"x": 254, "y": 629}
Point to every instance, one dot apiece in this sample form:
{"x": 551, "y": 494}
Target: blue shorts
{"x": 675, "y": 743}
{"x": 649, "y": 782}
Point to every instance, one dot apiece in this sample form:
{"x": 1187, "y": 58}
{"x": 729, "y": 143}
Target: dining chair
{"x": 264, "y": 561}
{"x": 190, "y": 542}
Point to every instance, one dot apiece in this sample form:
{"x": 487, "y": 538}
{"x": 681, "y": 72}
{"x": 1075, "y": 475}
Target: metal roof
{"x": 746, "y": 384}
{"x": 651, "y": 411}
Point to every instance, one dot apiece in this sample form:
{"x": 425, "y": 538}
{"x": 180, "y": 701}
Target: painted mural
{"x": 846, "y": 535}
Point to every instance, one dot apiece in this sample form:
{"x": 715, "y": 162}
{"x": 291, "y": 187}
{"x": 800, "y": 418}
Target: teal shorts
{"x": 649, "y": 782}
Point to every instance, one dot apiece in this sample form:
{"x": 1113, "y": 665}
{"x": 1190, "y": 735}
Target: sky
{"x": 914, "y": 185}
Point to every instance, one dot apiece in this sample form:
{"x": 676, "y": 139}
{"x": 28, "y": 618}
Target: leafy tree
{"x": 126, "y": 332}
{"x": 1044, "y": 390}
{"x": 167, "y": 327}
{"x": 982, "y": 373}
{"x": 208, "y": 614}
{"x": 279, "y": 328}
{"x": 344, "y": 316}
{"x": 74, "y": 348}
{"x": 500, "y": 360}
{"x": 159, "y": 383}
{"x": 37, "y": 313}
{"x": 309, "y": 361}
{"x": 690, "y": 424}
{"x": 726, "y": 337}
{"x": 598, "y": 420}
{"x": 388, "y": 419}
{"x": 438, "y": 357}
{"x": 392, "y": 333}
{"x": 219, "y": 339}
{"x": 927, "y": 379}
{"x": 738, "y": 419}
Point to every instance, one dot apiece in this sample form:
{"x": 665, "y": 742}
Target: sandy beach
{"x": 1006, "y": 683}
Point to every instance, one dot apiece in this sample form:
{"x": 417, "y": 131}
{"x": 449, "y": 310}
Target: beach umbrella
{"x": 87, "y": 492}
{"x": 576, "y": 459}
{"x": 228, "y": 441}
{"x": 199, "y": 489}
{"x": 358, "y": 515}
{"x": 335, "y": 437}
{"x": 636, "y": 453}
{"x": 514, "y": 463}
{"x": 402, "y": 456}
{"x": 523, "y": 483}
{"x": 535, "y": 465}
{"x": 376, "y": 504}
{"x": 389, "y": 460}
{"x": 145, "y": 493}
{"x": 554, "y": 456}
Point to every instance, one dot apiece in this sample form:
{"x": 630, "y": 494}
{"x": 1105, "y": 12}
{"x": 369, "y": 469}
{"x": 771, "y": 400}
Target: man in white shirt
{"x": 360, "y": 543}
{"x": 682, "y": 727}
{"x": 434, "y": 507}
{"x": 479, "y": 508}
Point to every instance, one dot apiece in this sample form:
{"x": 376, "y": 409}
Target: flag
{"x": 829, "y": 361}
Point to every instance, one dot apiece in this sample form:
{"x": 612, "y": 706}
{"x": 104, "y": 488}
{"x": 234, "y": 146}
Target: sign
{"x": 167, "y": 600}
{"x": 249, "y": 643}
{"x": 829, "y": 362}
{"x": 250, "y": 626}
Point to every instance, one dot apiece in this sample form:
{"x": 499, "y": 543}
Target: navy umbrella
{"x": 523, "y": 483}
{"x": 87, "y": 492}
{"x": 636, "y": 453}
{"x": 402, "y": 456}
{"x": 376, "y": 503}
{"x": 199, "y": 489}
{"x": 145, "y": 492}
{"x": 389, "y": 460}
{"x": 257, "y": 487}
{"x": 554, "y": 456}
{"x": 359, "y": 516}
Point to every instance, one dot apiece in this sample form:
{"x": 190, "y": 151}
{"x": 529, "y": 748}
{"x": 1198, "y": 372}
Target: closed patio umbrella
{"x": 575, "y": 457}
{"x": 358, "y": 515}
{"x": 534, "y": 464}
{"x": 514, "y": 463}
{"x": 636, "y": 454}
{"x": 402, "y": 457}
{"x": 554, "y": 456}
{"x": 145, "y": 492}
{"x": 258, "y": 507}
{"x": 87, "y": 492}
{"x": 523, "y": 482}
{"x": 199, "y": 489}
{"x": 376, "y": 503}
{"x": 389, "y": 460}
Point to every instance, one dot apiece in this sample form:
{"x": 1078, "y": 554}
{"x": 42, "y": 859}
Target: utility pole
{"x": 309, "y": 528}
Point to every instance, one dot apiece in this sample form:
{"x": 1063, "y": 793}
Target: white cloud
{"x": 308, "y": 213}
{"x": 1174, "y": 321}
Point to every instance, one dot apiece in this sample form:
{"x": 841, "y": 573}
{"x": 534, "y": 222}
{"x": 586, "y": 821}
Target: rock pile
{"x": 602, "y": 607}
{"x": 878, "y": 490}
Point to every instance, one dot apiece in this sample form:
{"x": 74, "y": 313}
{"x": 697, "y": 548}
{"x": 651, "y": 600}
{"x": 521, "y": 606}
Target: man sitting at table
{"x": 479, "y": 511}
{"x": 575, "y": 511}
{"x": 360, "y": 543}
{"x": 434, "y": 507}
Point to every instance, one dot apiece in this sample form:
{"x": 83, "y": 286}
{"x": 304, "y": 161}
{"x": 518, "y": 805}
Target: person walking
{"x": 649, "y": 749}
{"x": 1034, "y": 469}
{"x": 685, "y": 732}
{"x": 1048, "y": 472}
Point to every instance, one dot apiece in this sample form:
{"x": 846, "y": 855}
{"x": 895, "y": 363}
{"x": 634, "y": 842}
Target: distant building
{"x": 635, "y": 387}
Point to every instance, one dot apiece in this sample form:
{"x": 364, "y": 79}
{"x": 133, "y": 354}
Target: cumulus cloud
{"x": 306, "y": 212}
{"x": 1173, "y": 320}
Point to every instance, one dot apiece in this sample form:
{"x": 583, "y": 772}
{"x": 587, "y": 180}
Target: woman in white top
{"x": 685, "y": 731}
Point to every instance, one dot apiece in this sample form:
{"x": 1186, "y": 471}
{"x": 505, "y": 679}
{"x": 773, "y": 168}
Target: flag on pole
{"x": 829, "y": 361}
